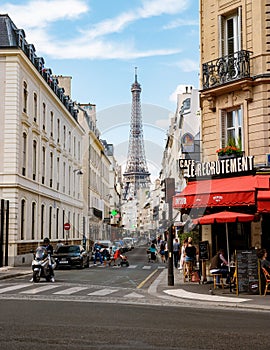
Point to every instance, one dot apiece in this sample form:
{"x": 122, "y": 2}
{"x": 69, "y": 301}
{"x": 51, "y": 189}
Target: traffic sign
{"x": 67, "y": 226}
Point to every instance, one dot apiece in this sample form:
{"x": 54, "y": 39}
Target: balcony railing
{"x": 226, "y": 69}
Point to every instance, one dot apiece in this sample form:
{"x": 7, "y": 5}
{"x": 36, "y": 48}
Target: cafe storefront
{"x": 227, "y": 184}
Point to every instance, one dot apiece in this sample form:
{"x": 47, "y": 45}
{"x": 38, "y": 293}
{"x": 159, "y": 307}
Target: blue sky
{"x": 99, "y": 42}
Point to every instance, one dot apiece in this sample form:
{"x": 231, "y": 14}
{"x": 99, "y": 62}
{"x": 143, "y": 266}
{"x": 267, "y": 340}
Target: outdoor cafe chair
{"x": 267, "y": 279}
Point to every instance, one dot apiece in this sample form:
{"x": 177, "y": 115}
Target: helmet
{"x": 46, "y": 240}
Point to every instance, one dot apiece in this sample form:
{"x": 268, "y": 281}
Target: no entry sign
{"x": 67, "y": 226}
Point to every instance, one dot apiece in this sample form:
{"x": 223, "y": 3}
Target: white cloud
{"x": 188, "y": 65}
{"x": 181, "y": 88}
{"x": 35, "y": 17}
{"x": 180, "y": 23}
{"x": 41, "y": 13}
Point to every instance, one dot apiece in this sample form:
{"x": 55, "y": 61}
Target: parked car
{"x": 71, "y": 256}
{"x": 129, "y": 242}
{"x": 120, "y": 244}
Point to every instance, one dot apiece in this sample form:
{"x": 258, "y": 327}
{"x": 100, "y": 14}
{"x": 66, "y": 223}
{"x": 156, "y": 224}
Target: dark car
{"x": 71, "y": 255}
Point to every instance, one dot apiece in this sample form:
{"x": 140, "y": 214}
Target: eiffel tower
{"x": 136, "y": 175}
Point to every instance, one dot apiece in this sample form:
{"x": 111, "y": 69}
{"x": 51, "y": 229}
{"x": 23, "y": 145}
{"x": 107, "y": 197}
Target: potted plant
{"x": 230, "y": 151}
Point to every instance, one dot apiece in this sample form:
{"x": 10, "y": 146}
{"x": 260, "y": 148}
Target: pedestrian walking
{"x": 182, "y": 256}
{"x": 176, "y": 252}
{"x": 97, "y": 253}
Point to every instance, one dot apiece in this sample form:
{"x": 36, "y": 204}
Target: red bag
{"x": 195, "y": 277}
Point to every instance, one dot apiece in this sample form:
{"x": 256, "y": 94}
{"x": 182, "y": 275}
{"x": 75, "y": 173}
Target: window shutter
{"x": 221, "y": 35}
{"x": 223, "y": 128}
{"x": 240, "y": 26}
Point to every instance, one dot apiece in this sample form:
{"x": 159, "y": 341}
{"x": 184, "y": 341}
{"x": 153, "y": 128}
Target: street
{"x": 48, "y": 324}
{"x": 110, "y": 308}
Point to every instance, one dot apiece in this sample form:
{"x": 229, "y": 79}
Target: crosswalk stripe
{"x": 132, "y": 266}
{"x": 103, "y": 292}
{"x": 134, "y": 295}
{"x": 11, "y": 288}
{"x": 70, "y": 290}
{"x": 146, "y": 267}
{"x": 40, "y": 289}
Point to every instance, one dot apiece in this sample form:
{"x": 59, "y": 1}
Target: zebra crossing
{"x": 74, "y": 291}
{"x": 58, "y": 289}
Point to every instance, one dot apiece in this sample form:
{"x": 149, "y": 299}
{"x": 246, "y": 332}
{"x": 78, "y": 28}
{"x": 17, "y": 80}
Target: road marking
{"x": 181, "y": 293}
{"x": 39, "y": 289}
{"x": 11, "y": 288}
{"x": 147, "y": 267}
{"x": 134, "y": 295}
{"x": 70, "y": 290}
{"x": 103, "y": 292}
{"x": 147, "y": 278}
{"x": 132, "y": 266}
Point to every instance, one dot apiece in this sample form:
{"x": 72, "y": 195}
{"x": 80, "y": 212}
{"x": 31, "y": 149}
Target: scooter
{"x": 41, "y": 265}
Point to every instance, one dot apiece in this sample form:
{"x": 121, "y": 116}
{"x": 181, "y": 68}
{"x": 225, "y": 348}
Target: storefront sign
{"x": 221, "y": 167}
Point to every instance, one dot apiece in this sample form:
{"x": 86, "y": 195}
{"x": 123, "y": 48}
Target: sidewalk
{"x": 191, "y": 292}
{"x": 10, "y": 271}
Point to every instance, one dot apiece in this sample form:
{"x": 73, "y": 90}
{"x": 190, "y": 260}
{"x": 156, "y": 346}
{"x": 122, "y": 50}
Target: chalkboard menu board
{"x": 247, "y": 272}
{"x": 204, "y": 250}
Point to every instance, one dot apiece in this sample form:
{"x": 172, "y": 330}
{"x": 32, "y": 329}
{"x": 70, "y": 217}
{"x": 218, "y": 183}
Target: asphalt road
{"x": 110, "y": 308}
{"x": 61, "y": 325}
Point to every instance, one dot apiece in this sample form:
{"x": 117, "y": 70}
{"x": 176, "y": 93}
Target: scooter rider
{"x": 49, "y": 248}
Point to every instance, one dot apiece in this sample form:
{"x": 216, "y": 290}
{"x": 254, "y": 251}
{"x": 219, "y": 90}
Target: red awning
{"x": 263, "y": 201}
{"x": 234, "y": 191}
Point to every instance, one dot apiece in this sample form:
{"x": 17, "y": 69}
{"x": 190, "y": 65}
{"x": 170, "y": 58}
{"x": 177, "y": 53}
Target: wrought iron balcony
{"x": 226, "y": 69}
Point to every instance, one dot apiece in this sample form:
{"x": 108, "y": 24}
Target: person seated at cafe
{"x": 262, "y": 255}
{"x": 219, "y": 265}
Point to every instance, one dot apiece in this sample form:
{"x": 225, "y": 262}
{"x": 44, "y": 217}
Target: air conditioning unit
{"x": 267, "y": 162}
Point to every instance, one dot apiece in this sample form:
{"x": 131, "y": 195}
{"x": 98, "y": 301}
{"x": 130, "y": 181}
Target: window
{"x": 24, "y": 154}
{"x": 42, "y": 217}
{"x": 230, "y": 33}
{"x": 57, "y": 224}
{"x": 64, "y": 177}
{"x": 51, "y": 169}
{"x": 231, "y": 127}
{"x": 69, "y": 141}
{"x": 64, "y": 136}
{"x": 69, "y": 179}
{"x": 44, "y": 116}
{"x": 43, "y": 164}
{"x": 74, "y": 146}
{"x": 25, "y": 94}
{"x": 57, "y": 173}
{"x": 33, "y": 231}
{"x": 50, "y": 222}
{"x": 35, "y": 107}
{"x": 51, "y": 124}
{"x": 58, "y": 130}
{"x": 34, "y": 160}
{"x": 22, "y": 218}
